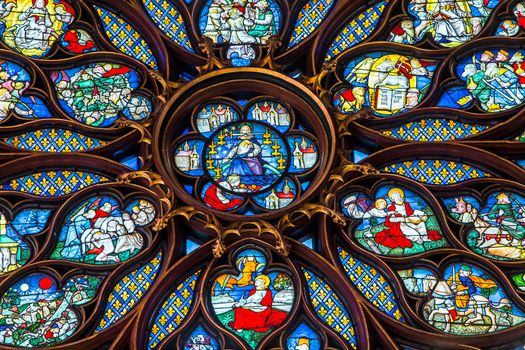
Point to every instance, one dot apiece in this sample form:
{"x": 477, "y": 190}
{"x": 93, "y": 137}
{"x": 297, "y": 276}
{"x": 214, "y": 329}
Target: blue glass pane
{"x": 303, "y": 338}
{"x": 308, "y": 241}
{"x": 357, "y": 30}
{"x": 129, "y": 291}
{"x": 126, "y": 38}
{"x": 53, "y": 183}
{"x": 200, "y": 339}
{"x": 191, "y": 246}
{"x": 455, "y": 97}
{"x": 310, "y": 17}
{"x": 166, "y": 16}
{"x": 436, "y": 171}
{"x": 328, "y": 306}
{"x": 54, "y": 140}
{"x": 31, "y": 221}
{"x": 32, "y": 107}
{"x": 371, "y": 284}
{"x": 434, "y": 130}
{"x": 359, "y": 156}
{"x": 173, "y": 311}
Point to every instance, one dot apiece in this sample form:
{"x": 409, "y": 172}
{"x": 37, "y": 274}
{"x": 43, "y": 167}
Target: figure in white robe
{"x": 449, "y": 22}
{"x": 36, "y": 29}
{"x": 239, "y": 27}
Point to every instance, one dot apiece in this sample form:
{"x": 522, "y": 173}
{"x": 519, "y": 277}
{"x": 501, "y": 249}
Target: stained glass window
{"x": 262, "y": 174}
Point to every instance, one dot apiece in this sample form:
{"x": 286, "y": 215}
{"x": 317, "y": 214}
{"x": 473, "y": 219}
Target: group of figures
{"x": 465, "y": 301}
{"x": 32, "y": 26}
{"x": 96, "y": 93}
{"x": 496, "y": 78}
{"x": 387, "y": 83}
{"x": 99, "y": 232}
{"x": 498, "y": 227}
{"x": 255, "y": 301}
{"x": 396, "y": 222}
{"x": 36, "y": 311}
{"x": 450, "y": 23}
{"x": 39, "y": 308}
{"x": 246, "y": 157}
{"x": 240, "y": 22}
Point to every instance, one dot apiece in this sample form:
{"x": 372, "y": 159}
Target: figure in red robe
{"x": 102, "y": 212}
{"x": 404, "y": 226}
{"x": 520, "y": 14}
{"x": 255, "y": 312}
{"x": 216, "y": 199}
{"x": 75, "y": 43}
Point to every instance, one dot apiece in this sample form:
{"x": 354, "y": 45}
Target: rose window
{"x": 262, "y": 174}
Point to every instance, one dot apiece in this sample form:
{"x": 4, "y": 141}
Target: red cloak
{"x": 99, "y": 214}
{"x": 73, "y": 45}
{"x": 521, "y": 20}
{"x": 211, "y": 198}
{"x": 393, "y": 237}
{"x": 258, "y": 321}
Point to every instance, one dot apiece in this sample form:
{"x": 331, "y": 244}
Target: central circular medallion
{"x": 246, "y": 157}
{"x": 245, "y": 153}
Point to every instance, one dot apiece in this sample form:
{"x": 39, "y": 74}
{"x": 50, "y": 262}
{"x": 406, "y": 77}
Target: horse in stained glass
{"x": 468, "y": 301}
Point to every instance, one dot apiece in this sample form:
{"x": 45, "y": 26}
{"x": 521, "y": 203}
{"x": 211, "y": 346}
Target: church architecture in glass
{"x": 262, "y": 174}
